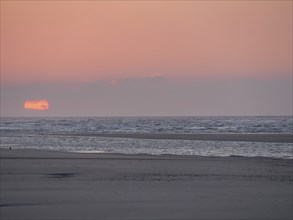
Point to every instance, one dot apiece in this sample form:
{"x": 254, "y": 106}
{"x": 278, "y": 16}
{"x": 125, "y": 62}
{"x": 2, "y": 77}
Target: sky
{"x": 146, "y": 58}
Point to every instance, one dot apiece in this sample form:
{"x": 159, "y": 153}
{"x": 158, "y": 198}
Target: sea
{"x": 78, "y": 134}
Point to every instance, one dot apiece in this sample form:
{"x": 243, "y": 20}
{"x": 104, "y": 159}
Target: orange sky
{"x": 85, "y": 41}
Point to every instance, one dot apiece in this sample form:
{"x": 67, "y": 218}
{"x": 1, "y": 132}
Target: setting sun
{"x": 39, "y": 105}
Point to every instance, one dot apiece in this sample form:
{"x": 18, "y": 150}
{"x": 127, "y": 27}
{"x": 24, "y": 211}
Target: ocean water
{"x": 77, "y": 135}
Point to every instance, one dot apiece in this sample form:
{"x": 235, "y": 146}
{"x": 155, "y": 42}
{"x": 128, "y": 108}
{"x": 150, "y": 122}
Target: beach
{"x": 38, "y": 184}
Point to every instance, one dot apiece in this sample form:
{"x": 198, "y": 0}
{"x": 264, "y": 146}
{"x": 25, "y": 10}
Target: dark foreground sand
{"x": 53, "y": 185}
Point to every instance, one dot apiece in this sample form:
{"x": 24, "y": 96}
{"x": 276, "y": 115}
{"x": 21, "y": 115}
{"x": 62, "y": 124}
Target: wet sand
{"x": 54, "y": 185}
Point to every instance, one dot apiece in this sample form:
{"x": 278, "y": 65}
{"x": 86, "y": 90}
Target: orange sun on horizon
{"x": 39, "y": 105}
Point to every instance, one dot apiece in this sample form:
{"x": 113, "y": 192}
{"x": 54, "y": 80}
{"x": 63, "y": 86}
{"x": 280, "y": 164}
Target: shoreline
{"x": 42, "y": 185}
{"x": 33, "y": 153}
{"x": 241, "y": 137}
